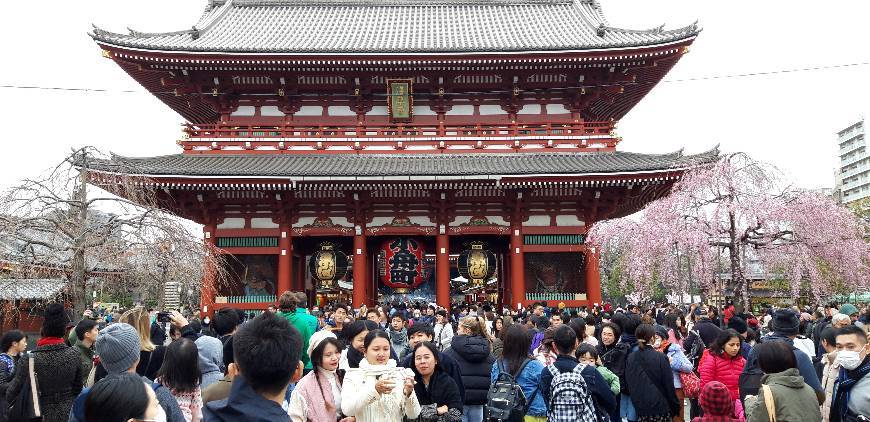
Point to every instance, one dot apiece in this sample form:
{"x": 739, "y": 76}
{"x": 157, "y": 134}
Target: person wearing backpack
{"x": 517, "y": 369}
{"x": 572, "y": 390}
{"x": 650, "y": 380}
{"x": 785, "y": 328}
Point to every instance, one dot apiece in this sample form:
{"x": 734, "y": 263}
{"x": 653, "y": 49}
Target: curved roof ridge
{"x": 387, "y": 3}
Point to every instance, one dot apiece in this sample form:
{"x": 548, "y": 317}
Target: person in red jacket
{"x": 723, "y": 362}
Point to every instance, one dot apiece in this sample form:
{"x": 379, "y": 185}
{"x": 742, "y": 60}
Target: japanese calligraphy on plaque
{"x": 400, "y": 102}
{"x": 403, "y": 263}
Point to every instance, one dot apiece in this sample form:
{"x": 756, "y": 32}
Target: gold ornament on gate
{"x": 327, "y": 265}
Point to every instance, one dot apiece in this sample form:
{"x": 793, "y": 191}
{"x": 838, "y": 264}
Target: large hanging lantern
{"x": 327, "y": 265}
{"x": 477, "y": 264}
{"x": 402, "y": 267}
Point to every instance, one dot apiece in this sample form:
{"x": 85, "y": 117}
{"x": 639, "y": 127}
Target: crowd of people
{"x": 417, "y": 362}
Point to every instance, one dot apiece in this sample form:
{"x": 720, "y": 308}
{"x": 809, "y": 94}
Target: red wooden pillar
{"x": 518, "y": 273}
{"x": 442, "y": 267}
{"x": 360, "y": 267}
{"x": 593, "y": 277}
{"x": 207, "y": 290}
{"x": 285, "y": 260}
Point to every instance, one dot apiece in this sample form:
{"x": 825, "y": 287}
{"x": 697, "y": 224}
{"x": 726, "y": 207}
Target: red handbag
{"x": 691, "y": 384}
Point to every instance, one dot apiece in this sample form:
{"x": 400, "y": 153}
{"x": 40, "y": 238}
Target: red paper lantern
{"x": 402, "y": 263}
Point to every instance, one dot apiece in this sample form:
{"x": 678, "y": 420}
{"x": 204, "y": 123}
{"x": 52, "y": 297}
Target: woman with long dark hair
{"x": 180, "y": 373}
{"x": 650, "y": 380}
{"x": 317, "y": 396}
{"x": 676, "y": 326}
{"x": 526, "y": 371}
{"x": 355, "y": 333}
{"x": 438, "y": 394}
{"x": 723, "y": 362}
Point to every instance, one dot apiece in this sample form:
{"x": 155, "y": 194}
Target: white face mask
{"x": 206, "y": 321}
{"x": 849, "y": 359}
{"x": 160, "y": 416}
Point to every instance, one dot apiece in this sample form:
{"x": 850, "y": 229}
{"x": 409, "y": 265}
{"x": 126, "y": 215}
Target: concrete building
{"x": 853, "y": 175}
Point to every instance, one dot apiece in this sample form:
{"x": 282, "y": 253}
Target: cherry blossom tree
{"x": 722, "y": 217}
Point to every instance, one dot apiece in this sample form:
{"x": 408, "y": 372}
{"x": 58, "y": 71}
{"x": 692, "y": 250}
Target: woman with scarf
{"x": 355, "y": 333}
{"x": 378, "y": 390}
{"x": 317, "y": 396}
{"x": 435, "y": 389}
{"x": 677, "y": 359}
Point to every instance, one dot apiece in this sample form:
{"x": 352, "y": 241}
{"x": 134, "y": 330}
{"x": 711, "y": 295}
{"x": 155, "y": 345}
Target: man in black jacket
{"x": 565, "y": 344}
{"x": 705, "y": 327}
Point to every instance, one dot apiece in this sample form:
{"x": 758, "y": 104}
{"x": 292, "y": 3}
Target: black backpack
{"x": 697, "y": 350}
{"x": 505, "y": 401}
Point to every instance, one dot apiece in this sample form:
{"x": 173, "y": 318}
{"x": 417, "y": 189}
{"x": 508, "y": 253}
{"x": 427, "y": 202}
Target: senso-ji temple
{"x": 401, "y": 149}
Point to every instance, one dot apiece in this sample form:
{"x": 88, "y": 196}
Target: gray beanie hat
{"x": 118, "y": 347}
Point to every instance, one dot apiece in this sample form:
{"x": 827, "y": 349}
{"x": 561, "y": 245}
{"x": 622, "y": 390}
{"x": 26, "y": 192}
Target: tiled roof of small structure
{"x": 373, "y": 165}
{"x": 397, "y": 26}
{"x": 30, "y": 288}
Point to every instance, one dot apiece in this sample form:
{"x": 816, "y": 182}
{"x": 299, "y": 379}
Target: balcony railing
{"x": 399, "y": 136}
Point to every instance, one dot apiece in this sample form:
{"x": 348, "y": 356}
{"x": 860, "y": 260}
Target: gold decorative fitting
{"x": 280, "y": 92}
{"x": 516, "y": 91}
{"x": 214, "y": 92}
{"x": 107, "y": 54}
{"x": 356, "y": 92}
{"x": 440, "y": 92}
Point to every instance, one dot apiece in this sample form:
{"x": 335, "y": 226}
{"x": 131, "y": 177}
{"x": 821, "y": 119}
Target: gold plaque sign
{"x": 399, "y": 99}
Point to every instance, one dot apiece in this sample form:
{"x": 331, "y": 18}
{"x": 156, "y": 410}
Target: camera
{"x": 163, "y": 316}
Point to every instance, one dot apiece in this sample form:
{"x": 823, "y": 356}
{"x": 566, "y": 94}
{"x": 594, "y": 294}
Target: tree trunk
{"x": 78, "y": 265}
{"x": 738, "y": 281}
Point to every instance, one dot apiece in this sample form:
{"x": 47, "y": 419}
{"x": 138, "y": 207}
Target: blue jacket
{"x": 530, "y": 381}
{"x": 595, "y": 383}
{"x": 243, "y": 404}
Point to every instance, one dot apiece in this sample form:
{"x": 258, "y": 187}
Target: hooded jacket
{"x": 243, "y": 404}
{"x": 793, "y": 399}
{"x": 299, "y": 320}
{"x": 211, "y": 357}
{"x": 474, "y": 357}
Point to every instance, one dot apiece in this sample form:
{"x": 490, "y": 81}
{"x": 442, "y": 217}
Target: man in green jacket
{"x": 86, "y": 332}
{"x": 287, "y": 309}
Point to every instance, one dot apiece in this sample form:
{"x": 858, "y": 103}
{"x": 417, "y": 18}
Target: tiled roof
{"x": 397, "y": 26}
{"x": 369, "y": 165}
{"x": 29, "y": 288}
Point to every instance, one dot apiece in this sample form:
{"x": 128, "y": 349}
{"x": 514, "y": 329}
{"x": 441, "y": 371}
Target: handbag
{"x": 25, "y": 407}
{"x": 691, "y": 384}
{"x": 769, "y": 403}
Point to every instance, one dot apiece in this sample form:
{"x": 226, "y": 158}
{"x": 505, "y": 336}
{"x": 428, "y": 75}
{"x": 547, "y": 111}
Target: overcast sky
{"x": 789, "y": 119}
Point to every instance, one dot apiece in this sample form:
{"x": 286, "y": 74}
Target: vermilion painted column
{"x": 518, "y": 273}
{"x": 360, "y": 267}
{"x": 285, "y": 260}
{"x": 593, "y": 277}
{"x": 442, "y": 268}
{"x": 207, "y": 290}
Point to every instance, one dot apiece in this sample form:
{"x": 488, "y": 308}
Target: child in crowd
{"x": 587, "y": 354}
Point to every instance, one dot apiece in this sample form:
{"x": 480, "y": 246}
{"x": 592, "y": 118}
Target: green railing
{"x": 554, "y": 239}
{"x": 247, "y": 242}
{"x": 246, "y": 299}
{"x": 555, "y": 296}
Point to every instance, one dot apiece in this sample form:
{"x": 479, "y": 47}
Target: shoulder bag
{"x": 769, "y": 403}
{"x": 25, "y": 407}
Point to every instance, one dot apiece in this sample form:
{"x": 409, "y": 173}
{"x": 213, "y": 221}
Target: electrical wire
{"x": 446, "y": 94}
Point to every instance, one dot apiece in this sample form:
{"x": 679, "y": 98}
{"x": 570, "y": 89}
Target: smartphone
{"x": 163, "y": 316}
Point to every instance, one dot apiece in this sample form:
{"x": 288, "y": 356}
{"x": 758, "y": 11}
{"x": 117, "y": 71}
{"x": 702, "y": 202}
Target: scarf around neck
{"x": 49, "y": 341}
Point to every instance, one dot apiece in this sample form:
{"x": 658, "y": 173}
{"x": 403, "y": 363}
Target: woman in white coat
{"x": 379, "y": 391}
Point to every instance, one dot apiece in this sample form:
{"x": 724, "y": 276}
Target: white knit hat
{"x": 317, "y": 338}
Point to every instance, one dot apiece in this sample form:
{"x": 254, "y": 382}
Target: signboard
{"x": 399, "y": 100}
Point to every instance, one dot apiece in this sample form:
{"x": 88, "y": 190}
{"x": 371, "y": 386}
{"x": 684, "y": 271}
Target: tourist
{"x": 675, "y": 324}
{"x": 704, "y": 330}
{"x": 556, "y": 319}
{"x": 852, "y": 312}
{"x": 57, "y": 366}
{"x": 211, "y": 360}
{"x": 13, "y": 344}
{"x": 741, "y": 327}
{"x": 267, "y": 355}
{"x": 436, "y": 391}
{"x": 225, "y": 324}
{"x": 545, "y": 353}
{"x": 354, "y": 352}
{"x": 565, "y": 345}
{"x": 379, "y": 390}
{"x": 717, "y": 403}
{"x": 122, "y": 397}
{"x": 588, "y": 354}
{"x": 151, "y": 356}
{"x": 339, "y": 319}
{"x": 472, "y": 350}
{"x": 840, "y": 320}
{"x": 287, "y": 309}
{"x": 119, "y": 349}
{"x": 373, "y": 315}
{"x": 677, "y": 360}
{"x": 853, "y": 385}
{"x": 830, "y": 370}
{"x": 424, "y": 332}
{"x": 525, "y": 370}
{"x": 626, "y": 346}
{"x": 611, "y": 356}
{"x": 650, "y": 380}
{"x": 86, "y": 333}
{"x": 398, "y": 335}
{"x": 498, "y": 327}
{"x": 181, "y": 374}
{"x": 443, "y": 330}
{"x": 784, "y": 323}
{"x": 317, "y": 396}
{"x": 723, "y": 362}
{"x": 792, "y": 399}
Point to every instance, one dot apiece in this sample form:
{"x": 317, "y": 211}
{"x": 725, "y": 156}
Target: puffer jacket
{"x": 472, "y": 353}
{"x": 722, "y": 368}
{"x": 793, "y": 399}
{"x": 829, "y": 377}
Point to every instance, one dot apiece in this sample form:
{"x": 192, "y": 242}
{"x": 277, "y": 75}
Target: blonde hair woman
{"x": 150, "y": 355}
{"x": 471, "y": 347}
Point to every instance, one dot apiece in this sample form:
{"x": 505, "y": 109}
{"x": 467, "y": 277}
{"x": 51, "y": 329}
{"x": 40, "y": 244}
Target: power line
{"x": 628, "y": 83}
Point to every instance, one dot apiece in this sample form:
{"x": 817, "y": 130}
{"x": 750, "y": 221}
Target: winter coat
{"x": 679, "y": 362}
{"x": 650, "y": 383}
{"x": 441, "y": 391}
{"x": 243, "y": 405}
{"x": 443, "y": 336}
{"x": 497, "y": 347}
{"x": 611, "y": 379}
{"x": 360, "y": 399}
{"x": 829, "y": 379}
{"x": 793, "y": 399}
{"x": 529, "y": 380}
{"x": 86, "y": 355}
{"x": 164, "y": 398}
{"x": 58, "y": 375}
{"x": 804, "y": 365}
{"x": 300, "y": 320}
{"x": 472, "y": 353}
{"x": 706, "y": 329}
{"x": 6, "y": 375}
{"x": 447, "y": 363}
{"x": 613, "y": 358}
{"x": 722, "y": 368}
{"x": 211, "y": 360}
